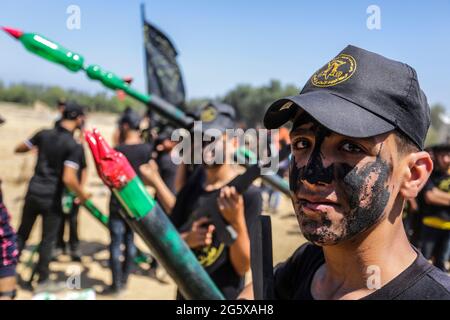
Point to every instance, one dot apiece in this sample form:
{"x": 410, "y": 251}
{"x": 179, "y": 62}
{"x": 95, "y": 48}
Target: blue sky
{"x": 226, "y": 42}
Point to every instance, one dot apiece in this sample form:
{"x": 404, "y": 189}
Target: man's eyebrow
{"x": 301, "y": 131}
{"x": 305, "y": 131}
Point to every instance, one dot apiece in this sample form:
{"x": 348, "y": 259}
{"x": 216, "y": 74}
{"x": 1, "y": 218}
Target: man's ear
{"x": 417, "y": 169}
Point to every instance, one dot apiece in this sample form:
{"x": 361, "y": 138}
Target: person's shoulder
{"x": 45, "y": 131}
{"x": 293, "y": 275}
{"x": 306, "y": 250}
{"x": 144, "y": 148}
{"x": 305, "y": 254}
{"x": 438, "y": 284}
{"x": 426, "y": 283}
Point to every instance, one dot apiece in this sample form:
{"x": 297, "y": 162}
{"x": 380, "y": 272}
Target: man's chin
{"x": 321, "y": 235}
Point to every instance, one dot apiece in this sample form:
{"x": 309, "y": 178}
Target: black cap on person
{"x": 360, "y": 94}
{"x": 131, "y": 118}
{"x": 217, "y": 115}
{"x": 72, "y": 110}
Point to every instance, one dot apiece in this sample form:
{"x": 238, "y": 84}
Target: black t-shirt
{"x": 56, "y": 148}
{"x": 420, "y": 281}
{"x": 137, "y": 155}
{"x": 440, "y": 180}
{"x": 215, "y": 258}
{"x": 167, "y": 170}
{"x": 82, "y": 160}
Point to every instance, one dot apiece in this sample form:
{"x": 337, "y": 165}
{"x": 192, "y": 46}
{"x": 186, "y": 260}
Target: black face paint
{"x": 314, "y": 171}
{"x": 367, "y": 194}
{"x": 364, "y": 190}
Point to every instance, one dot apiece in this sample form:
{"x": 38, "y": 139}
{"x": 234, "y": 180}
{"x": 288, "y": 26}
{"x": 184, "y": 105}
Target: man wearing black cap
{"x": 358, "y": 129}
{"x": 56, "y": 167}
{"x": 166, "y": 167}
{"x": 435, "y": 209}
{"x": 226, "y": 264}
{"x": 137, "y": 153}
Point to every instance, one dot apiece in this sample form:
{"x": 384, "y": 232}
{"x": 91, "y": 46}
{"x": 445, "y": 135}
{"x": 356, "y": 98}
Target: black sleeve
{"x": 185, "y": 198}
{"x": 82, "y": 159}
{"x": 74, "y": 156}
{"x": 285, "y": 273}
{"x": 180, "y": 212}
{"x": 148, "y": 152}
{"x": 167, "y": 170}
{"x": 252, "y": 206}
{"x": 35, "y": 140}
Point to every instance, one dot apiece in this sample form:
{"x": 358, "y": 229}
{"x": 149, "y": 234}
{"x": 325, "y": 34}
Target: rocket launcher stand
{"x": 148, "y": 220}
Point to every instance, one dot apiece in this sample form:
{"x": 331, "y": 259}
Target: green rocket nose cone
{"x": 13, "y": 32}
{"x": 47, "y": 49}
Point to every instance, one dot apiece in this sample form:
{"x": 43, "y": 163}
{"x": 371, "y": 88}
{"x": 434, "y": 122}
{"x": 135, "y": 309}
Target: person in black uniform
{"x": 71, "y": 207}
{"x": 137, "y": 152}
{"x": 57, "y": 166}
{"x": 164, "y": 147}
{"x": 435, "y": 209}
{"x": 357, "y": 138}
{"x": 226, "y": 264}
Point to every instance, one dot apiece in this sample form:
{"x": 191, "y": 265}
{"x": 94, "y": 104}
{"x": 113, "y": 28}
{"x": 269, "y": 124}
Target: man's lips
{"x": 317, "y": 204}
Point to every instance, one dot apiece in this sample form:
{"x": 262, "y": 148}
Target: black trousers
{"x": 72, "y": 220}
{"x": 121, "y": 234}
{"x": 51, "y": 219}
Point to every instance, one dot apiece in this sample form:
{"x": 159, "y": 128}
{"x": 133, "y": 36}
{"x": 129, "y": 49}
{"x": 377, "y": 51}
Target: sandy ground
{"x": 15, "y": 171}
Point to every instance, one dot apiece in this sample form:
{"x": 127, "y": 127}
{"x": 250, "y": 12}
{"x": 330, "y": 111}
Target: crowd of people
{"x": 349, "y": 182}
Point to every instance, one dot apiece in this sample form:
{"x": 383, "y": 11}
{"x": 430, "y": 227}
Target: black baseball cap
{"x": 442, "y": 147}
{"x": 217, "y": 115}
{"x": 360, "y": 94}
{"x": 72, "y": 110}
{"x": 130, "y": 117}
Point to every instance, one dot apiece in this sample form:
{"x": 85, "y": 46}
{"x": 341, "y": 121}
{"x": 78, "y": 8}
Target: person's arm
{"x": 437, "y": 197}
{"x": 180, "y": 177}
{"x": 199, "y": 235}
{"x": 72, "y": 164}
{"x": 83, "y": 177}
{"x": 247, "y": 293}
{"x": 27, "y": 145}
{"x": 22, "y": 148}
{"x": 70, "y": 180}
{"x": 231, "y": 205}
{"x": 152, "y": 178}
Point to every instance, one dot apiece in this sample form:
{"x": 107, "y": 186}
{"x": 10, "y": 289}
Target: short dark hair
{"x": 404, "y": 144}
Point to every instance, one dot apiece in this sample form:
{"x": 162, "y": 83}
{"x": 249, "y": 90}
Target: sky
{"x": 223, "y": 43}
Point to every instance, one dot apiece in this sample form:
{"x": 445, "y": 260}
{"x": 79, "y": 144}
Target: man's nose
{"x": 316, "y": 172}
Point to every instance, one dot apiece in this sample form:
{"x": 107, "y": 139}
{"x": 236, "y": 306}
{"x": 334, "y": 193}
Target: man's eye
{"x": 301, "y": 144}
{"x": 351, "y": 147}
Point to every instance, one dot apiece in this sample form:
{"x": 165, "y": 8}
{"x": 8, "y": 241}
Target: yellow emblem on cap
{"x": 336, "y": 71}
{"x": 208, "y": 114}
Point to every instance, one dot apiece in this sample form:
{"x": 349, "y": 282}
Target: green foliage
{"x": 436, "y": 111}
{"x": 252, "y": 102}
{"x": 27, "y": 94}
{"x": 432, "y": 137}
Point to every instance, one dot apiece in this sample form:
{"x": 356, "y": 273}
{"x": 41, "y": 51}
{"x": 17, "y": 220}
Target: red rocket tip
{"x": 13, "y": 32}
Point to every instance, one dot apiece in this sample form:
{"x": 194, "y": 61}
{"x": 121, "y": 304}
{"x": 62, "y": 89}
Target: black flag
{"x": 163, "y": 73}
